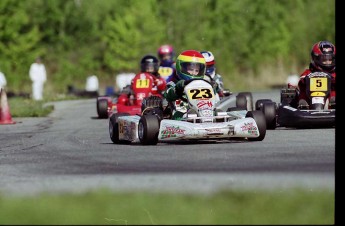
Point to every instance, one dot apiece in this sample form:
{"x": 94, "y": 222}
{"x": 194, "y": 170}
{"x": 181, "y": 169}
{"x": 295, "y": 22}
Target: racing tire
{"x": 259, "y": 103}
{"x": 102, "y": 108}
{"x": 249, "y": 97}
{"x": 269, "y": 108}
{"x": 241, "y": 102}
{"x": 148, "y": 129}
{"x": 114, "y": 128}
{"x": 270, "y": 111}
{"x": 260, "y": 120}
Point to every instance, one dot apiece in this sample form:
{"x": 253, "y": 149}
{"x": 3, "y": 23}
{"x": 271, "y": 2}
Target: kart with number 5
{"x": 318, "y": 113}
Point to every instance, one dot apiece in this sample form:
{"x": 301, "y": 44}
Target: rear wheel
{"x": 259, "y": 103}
{"x": 148, "y": 129}
{"x": 270, "y": 111}
{"x": 260, "y": 120}
{"x": 102, "y": 108}
{"x": 268, "y": 107}
{"x": 114, "y": 128}
{"x": 249, "y": 97}
{"x": 241, "y": 102}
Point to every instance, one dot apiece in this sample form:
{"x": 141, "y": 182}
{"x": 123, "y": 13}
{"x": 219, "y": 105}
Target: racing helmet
{"x": 190, "y": 64}
{"x": 323, "y": 56}
{"x": 149, "y": 63}
{"x": 166, "y": 55}
{"x": 210, "y": 63}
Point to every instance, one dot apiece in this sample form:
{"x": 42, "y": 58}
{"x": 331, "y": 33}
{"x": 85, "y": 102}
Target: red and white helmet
{"x": 166, "y": 55}
{"x": 210, "y": 63}
{"x": 323, "y": 56}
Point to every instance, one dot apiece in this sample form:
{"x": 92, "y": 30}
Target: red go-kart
{"x": 128, "y": 102}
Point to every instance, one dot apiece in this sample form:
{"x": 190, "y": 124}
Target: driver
{"x": 322, "y": 60}
{"x": 150, "y": 64}
{"x": 190, "y": 64}
{"x": 211, "y": 75}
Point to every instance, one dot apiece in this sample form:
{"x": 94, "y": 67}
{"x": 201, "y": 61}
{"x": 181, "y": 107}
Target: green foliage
{"x": 131, "y": 34}
{"x": 122, "y": 42}
{"x": 81, "y": 37}
{"x": 19, "y": 42}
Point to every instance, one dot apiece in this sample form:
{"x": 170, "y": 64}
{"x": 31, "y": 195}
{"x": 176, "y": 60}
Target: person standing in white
{"x": 2, "y": 80}
{"x": 38, "y": 77}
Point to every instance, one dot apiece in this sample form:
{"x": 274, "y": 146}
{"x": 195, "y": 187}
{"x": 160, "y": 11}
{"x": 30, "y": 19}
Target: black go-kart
{"x": 318, "y": 112}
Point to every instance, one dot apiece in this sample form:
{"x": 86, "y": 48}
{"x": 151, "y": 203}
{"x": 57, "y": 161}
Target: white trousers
{"x": 37, "y": 90}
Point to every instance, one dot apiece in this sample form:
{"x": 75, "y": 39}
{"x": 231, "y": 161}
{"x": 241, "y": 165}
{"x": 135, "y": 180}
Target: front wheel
{"x": 260, "y": 120}
{"x": 148, "y": 129}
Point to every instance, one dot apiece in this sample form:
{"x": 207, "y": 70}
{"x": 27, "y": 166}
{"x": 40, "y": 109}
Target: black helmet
{"x": 149, "y": 63}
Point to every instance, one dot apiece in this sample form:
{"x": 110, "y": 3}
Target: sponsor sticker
{"x": 204, "y": 104}
{"x": 172, "y": 131}
{"x": 250, "y": 128}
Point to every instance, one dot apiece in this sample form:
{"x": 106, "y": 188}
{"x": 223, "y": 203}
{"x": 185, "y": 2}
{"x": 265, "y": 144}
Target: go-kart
{"x": 200, "y": 121}
{"x": 142, "y": 86}
{"x": 318, "y": 113}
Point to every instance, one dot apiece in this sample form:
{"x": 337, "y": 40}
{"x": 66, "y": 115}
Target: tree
{"x": 130, "y": 34}
{"x": 19, "y": 41}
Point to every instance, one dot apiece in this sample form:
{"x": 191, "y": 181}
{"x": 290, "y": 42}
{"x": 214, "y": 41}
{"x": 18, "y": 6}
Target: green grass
{"x": 104, "y": 207}
{"x": 24, "y": 107}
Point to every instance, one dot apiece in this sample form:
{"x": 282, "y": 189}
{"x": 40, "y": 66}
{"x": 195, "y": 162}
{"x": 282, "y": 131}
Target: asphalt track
{"x": 70, "y": 151}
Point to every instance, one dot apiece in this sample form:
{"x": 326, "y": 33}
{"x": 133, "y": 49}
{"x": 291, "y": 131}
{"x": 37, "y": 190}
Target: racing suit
{"x": 167, "y": 71}
{"x": 217, "y": 83}
{"x": 173, "y": 94}
{"x": 127, "y": 96}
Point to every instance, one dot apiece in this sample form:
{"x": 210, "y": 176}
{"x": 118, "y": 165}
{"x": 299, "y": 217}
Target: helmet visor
{"x": 210, "y": 70}
{"x": 193, "y": 69}
{"x": 150, "y": 67}
{"x": 166, "y": 56}
{"x": 327, "y": 60}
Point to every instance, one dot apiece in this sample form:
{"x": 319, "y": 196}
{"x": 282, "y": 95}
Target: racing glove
{"x": 179, "y": 87}
{"x": 215, "y": 86}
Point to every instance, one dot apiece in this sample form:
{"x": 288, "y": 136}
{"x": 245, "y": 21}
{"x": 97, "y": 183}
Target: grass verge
{"x": 21, "y": 107}
{"x": 103, "y": 207}
{"x": 24, "y": 107}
